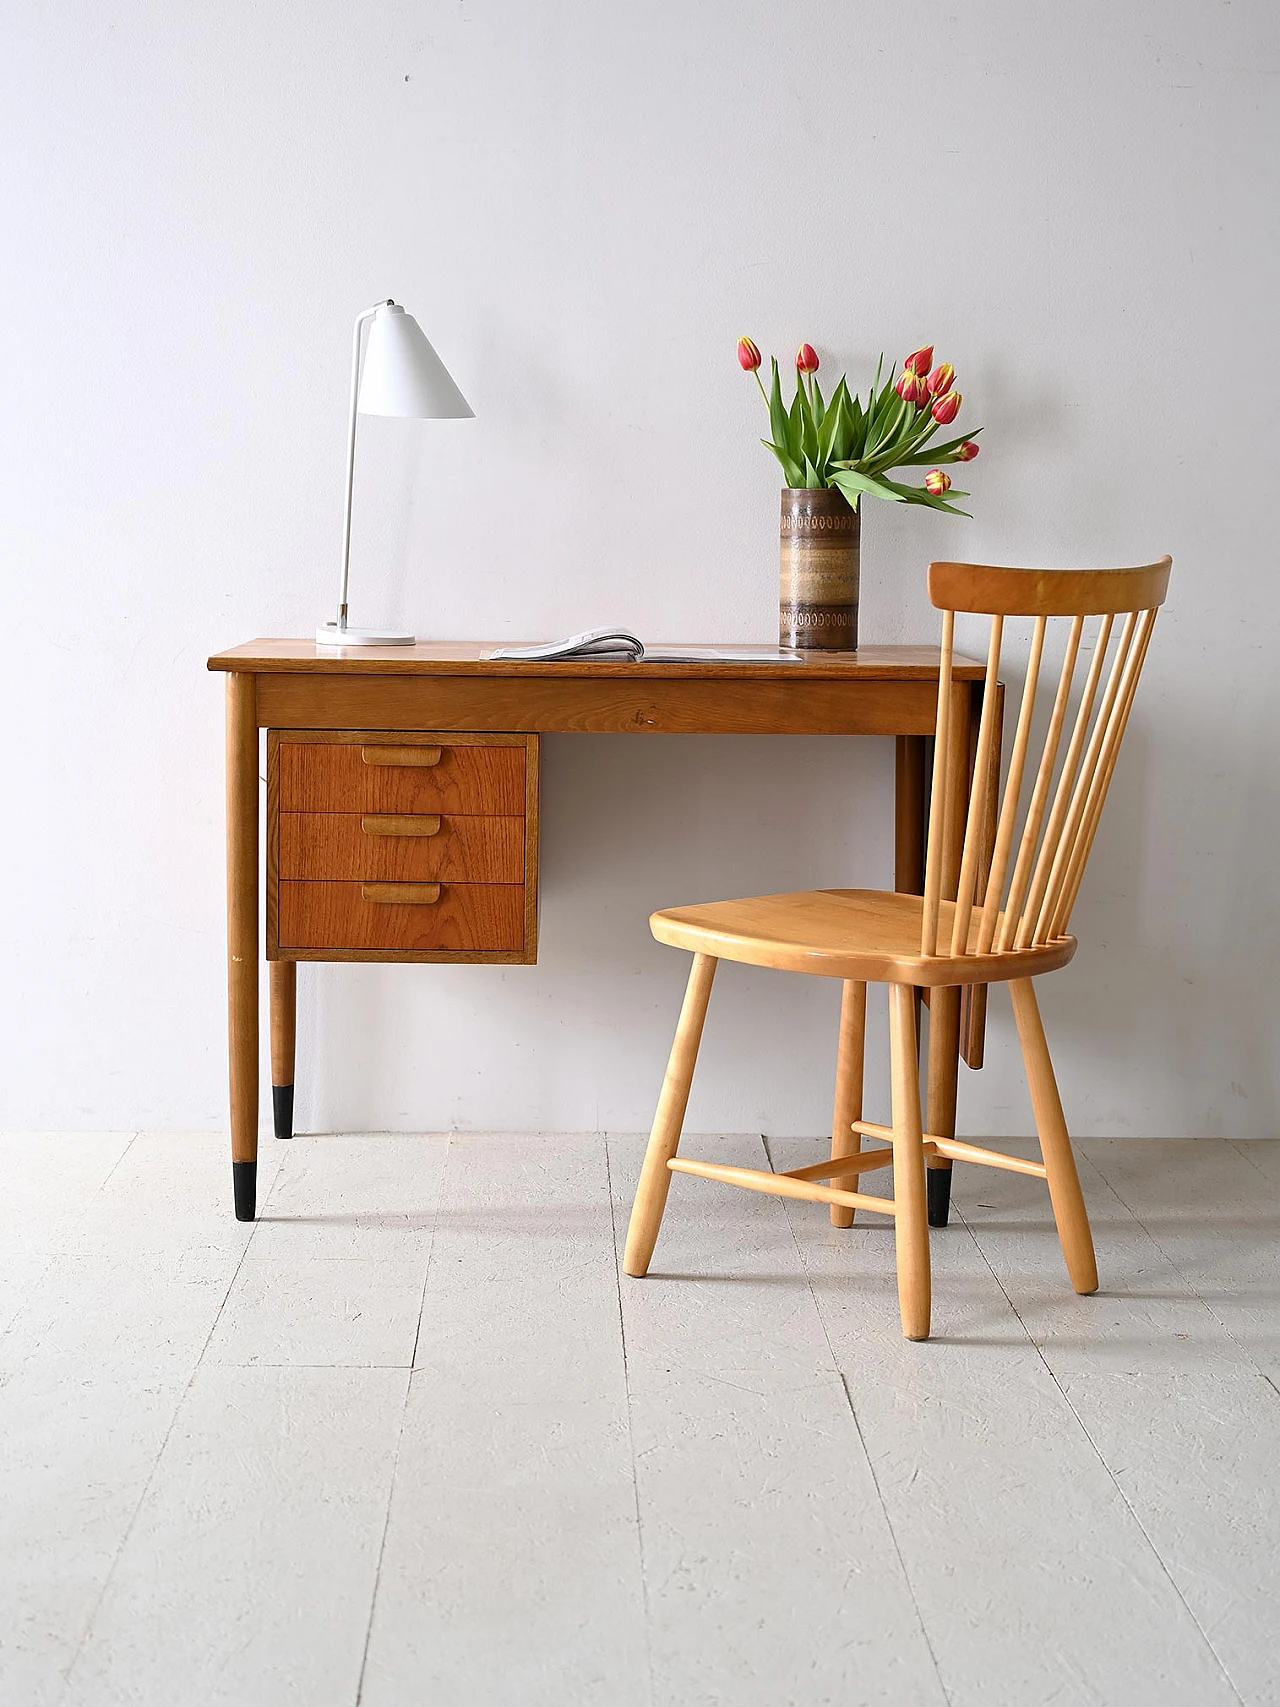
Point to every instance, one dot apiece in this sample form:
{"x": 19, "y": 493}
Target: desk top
{"x": 462, "y": 658}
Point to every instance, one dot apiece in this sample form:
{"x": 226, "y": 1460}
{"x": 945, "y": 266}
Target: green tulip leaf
{"x": 851, "y": 482}
{"x": 940, "y": 501}
{"x": 793, "y": 475}
{"x": 844, "y": 429}
{"x": 938, "y": 451}
{"x": 810, "y": 424}
{"x": 857, "y": 422}
{"x": 803, "y": 440}
{"x": 887, "y": 427}
{"x": 829, "y": 431}
{"x": 900, "y": 448}
{"x": 779, "y": 425}
{"x": 886, "y": 408}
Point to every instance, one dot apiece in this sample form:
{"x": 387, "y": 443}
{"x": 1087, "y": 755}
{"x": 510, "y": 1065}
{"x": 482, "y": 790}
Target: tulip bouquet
{"x": 851, "y": 445}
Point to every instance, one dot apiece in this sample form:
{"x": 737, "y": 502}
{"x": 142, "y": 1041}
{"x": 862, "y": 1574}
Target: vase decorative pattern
{"x": 818, "y": 570}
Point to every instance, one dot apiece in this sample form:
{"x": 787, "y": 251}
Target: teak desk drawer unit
{"x": 412, "y": 845}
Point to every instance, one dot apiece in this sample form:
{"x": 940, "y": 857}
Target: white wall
{"x": 585, "y": 204}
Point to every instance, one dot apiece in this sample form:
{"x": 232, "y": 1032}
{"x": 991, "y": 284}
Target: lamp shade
{"x": 403, "y": 375}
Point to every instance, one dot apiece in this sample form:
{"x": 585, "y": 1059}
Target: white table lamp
{"x": 401, "y": 375}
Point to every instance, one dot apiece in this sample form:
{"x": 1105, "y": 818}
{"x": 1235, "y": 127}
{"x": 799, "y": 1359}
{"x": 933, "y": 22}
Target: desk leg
{"x": 909, "y": 816}
{"x": 282, "y": 977}
{"x": 944, "y": 1064}
{"x": 242, "y": 937}
{"x": 944, "y": 1004}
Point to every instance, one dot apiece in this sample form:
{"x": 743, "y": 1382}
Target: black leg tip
{"x": 244, "y": 1183}
{"x": 282, "y": 1104}
{"x": 938, "y": 1187}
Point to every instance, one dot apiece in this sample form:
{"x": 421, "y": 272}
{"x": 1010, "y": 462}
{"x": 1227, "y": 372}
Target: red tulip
{"x": 947, "y": 407}
{"x": 942, "y": 378}
{"x": 748, "y": 355}
{"x": 909, "y": 387}
{"x": 967, "y": 451}
{"x": 937, "y": 482}
{"x": 807, "y": 359}
{"x": 921, "y": 360}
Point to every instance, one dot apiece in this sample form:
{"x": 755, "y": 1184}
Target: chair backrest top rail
{"x": 987, "y": 589}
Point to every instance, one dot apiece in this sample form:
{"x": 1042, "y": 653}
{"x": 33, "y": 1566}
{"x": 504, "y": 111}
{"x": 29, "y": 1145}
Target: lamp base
{"x": 331, "y": 635}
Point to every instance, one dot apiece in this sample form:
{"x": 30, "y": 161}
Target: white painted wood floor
{"x": 408, "y": 1440}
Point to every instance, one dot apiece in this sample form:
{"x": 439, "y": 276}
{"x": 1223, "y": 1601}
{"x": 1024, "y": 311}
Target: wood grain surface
{"x": 872, "y": 935}
{"x": 334, "y": 777}
{"x": 789, "y": 700}
{"x": 462, "y": 658}
{"x": 337, "y": 847}
{"x": 997, "y": 591}
{"x": 476, "y": 916}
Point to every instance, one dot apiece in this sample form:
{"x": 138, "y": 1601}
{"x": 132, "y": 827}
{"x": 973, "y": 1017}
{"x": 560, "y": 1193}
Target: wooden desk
{"x": 372, "y": 751}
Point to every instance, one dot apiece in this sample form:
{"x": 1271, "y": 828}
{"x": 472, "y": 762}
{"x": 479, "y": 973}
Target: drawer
{"x": 349, "y": 846}
{"x": 452, "y": 917}
{"x": 382, "y": 776}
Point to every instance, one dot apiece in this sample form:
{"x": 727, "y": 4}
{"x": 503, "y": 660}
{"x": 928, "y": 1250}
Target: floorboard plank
{"x": 249, "y": 1573}
{"x": 511, "y": 1573}
{"x": 92, "y": 1372}
{"x": 771, "y": 1574}
{"x": 724, "y": 1291}
{"x": 50, "y": 1179}
{"x": 340, "y": 1312}
{"x": 1177, "y": 1409}
{"x": 1034, "y": 1580}
{"x": 75, "y": 1458}
{"x": 1215, "y": 1213}
{"x": 359, "y": 1195}
{"x": 169, "y": 1195}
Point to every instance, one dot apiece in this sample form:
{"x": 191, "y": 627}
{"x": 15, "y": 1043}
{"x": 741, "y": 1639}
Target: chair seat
{"x": 872, "y": 935}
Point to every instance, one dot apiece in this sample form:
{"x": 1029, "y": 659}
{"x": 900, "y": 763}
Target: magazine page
{"x": 592, "y": 643}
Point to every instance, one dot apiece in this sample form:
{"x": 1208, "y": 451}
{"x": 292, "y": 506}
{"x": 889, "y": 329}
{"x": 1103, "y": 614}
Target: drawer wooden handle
{"x": 402, "y": 894}
{"x": 401, "y": 755}
{"x": 399, "y": 824}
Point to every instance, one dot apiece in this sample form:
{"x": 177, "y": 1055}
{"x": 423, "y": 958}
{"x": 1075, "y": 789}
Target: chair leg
{"x": 911, "y": 1225}
{"x": 1055, "y": 1143}
{"x": 848, "y": 1104}
{"x": 664, "y": 1140}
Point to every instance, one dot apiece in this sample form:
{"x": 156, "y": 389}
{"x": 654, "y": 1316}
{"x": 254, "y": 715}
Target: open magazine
{"x": 618, "y": 645}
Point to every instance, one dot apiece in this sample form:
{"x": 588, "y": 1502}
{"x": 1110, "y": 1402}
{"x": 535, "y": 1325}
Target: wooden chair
{"x": 983, "y": 936}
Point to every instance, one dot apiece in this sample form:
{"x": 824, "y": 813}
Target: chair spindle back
{"x": 1066, "y": 799}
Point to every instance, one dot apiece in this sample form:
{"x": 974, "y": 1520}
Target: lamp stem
{"x": 351, "y": 457}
